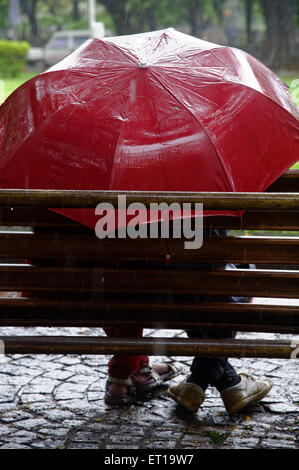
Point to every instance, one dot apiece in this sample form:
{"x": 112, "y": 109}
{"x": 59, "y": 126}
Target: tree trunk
{"x": 118, "y": 11}
{"x": 279, "y": 45}
{"x": 76, "y": 12}
{"x": 196, "y": 10}
{"x": 52, "y": 9}
{"x": 248, "y": 10}
{"x": 218, "y": 6}
{"x": 151, "y": 17}
{"x": 29, "y": 8}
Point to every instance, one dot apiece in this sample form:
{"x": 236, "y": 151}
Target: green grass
{"x": 214, "y": 436}
{"x": 10, "y": 84}
{"x": 289, "y": 78}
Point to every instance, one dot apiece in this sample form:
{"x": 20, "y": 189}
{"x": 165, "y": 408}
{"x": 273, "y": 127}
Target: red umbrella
{"x": 155, "y": 111}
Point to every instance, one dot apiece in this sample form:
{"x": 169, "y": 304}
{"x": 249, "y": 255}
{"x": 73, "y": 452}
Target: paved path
{"x": 56, "y": 401}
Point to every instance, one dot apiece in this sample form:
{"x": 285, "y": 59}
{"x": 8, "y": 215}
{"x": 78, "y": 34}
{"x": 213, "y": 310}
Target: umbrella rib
{"x": 116, "y": 147}
{"x": 231, "y": 183}
{"x": 261, "y": 92}
{"x": 180, "y": 46}
{"x": 119, "y": 49}
{"x": 117, "y": 142}
{"x": 160, "y": 150}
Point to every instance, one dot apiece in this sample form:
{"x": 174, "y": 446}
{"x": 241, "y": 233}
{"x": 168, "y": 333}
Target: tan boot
{"x": 245, "y": 393}
{"x": 188, "y": 395}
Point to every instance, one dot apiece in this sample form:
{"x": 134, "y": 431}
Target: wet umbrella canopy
{"x": 157, "y": 111}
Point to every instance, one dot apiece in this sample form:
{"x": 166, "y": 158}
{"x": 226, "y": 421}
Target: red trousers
{"x": 123, "y": 366}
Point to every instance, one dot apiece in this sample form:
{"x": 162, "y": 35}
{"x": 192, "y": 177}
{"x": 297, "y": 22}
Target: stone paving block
{"x": 5, "y": 430}
{"x": 69, "y": 360}
{"x": 122, "y": 447}
{"x": 38, "y": 406}
{"x": 12, "y": 415}
{"x": 89, "y": 436}
{"x": 34, "y": 397}
{"x": 82, "y": 370}
{"x": 48, "y": 443}
{"x": 69, "y": 391}
{"x": 83, "y": 445}
{"x": 277, "y": 444}
{"x": 161, "y": 444}
{"x": 39, "y": 388}
{"x": 250, "y": 443}
{"x": 30, "y": 424}
{"x": 195, "y": 442}
{"x": 282, "y": 407}
{"x": 121, "y": 439}
{"x": 104, "y": 427}
{"x": 54, "y": 432}
{"x": 77, "y": 405}
{"x": 14, "y": 445}
{"x": 74, "y": 422}
{"x": 58, "y": 374}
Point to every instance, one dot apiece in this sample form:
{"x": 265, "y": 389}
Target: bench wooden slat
{"x": 239, "y": 249}
{"x": 179, "y": 315}
{"x": 217, "y": 249}
{"x": 150, "y": 346}
{"x": 31, "y": 216}
{"x": 225, "y": 201}
{"x": 251, "y": 220}
{"x": 266, "y": 283}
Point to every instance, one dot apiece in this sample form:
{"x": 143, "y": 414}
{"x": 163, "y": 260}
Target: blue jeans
{"x": 214, "y": 371}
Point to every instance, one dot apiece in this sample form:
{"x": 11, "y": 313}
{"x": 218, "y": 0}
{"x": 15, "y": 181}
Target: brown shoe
{"x": 188, "y": 395}
{"x": 245, "y": 393}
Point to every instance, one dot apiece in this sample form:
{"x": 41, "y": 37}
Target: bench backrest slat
{"x": 147, "y": 314}
{"x": 266, "y": 283}
{"x": 233, "y": 249}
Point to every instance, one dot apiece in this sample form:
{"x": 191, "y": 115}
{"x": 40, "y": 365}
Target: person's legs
{"x": 123, "y": 366}
{"x": 130, "y": 374}
{"x": 237, "y": 391}
{"x": 214, "y": 371}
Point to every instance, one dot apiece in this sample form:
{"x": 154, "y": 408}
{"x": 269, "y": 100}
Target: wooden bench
{"x": 115, "y": 282}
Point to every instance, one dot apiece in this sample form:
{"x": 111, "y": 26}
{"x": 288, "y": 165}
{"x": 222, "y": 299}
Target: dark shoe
{"x": 245, "y": 393}
{"x": 188, "y": 395}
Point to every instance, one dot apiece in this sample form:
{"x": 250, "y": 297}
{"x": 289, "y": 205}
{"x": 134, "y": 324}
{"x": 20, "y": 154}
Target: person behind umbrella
{"x": 237, "y": 390}
{"x": 130, "y": 376}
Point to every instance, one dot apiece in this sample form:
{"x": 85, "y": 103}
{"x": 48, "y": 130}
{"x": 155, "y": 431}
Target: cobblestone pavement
{"x": 56, "y": 401}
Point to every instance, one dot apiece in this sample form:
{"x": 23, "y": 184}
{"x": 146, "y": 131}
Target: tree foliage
{"x": 280, "y": 40}
{"x": 4, "y": 13}
{"x": 12, "y": 57}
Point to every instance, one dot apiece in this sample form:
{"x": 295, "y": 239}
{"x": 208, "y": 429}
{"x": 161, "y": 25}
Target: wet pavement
{"x": 56, "y": 402}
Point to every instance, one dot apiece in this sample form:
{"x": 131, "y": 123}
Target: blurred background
{"x": 35, "y": 34}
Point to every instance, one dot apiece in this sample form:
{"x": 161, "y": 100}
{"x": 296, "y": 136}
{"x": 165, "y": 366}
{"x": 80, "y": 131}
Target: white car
{"x": 62, "y": 43}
